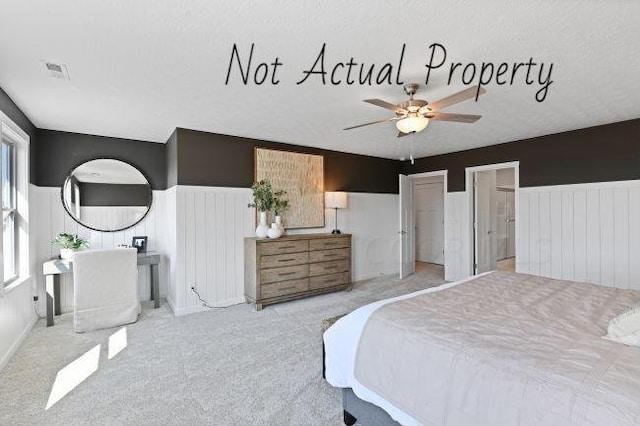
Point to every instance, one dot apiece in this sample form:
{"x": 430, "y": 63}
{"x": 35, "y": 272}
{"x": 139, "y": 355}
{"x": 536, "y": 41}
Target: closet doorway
{"x": 428, "y": 204}
{"x": 422, "y": 229}
{"x": 494, "y": 211}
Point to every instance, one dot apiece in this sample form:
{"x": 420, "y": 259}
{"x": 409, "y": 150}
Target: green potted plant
{"x": 263, "y": 202}
{"x": 69, "y": 243}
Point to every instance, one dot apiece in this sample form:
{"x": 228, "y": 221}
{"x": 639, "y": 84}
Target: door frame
{"x": 444, "y": 174}
{"x": 403, "y": 241}
{"x": 469, "y": 172}
{"x": 419, "y": 175}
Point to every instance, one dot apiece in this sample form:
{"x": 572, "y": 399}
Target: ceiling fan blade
{"x": 402, "y": 134}
{"x": 387, "y": 105}
{"x": 369, "y": 124}
{"x": 460, "y": 118}
{"x": 457, "y": 97}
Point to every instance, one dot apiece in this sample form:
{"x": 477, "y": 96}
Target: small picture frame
{"x": 140, "y": 243}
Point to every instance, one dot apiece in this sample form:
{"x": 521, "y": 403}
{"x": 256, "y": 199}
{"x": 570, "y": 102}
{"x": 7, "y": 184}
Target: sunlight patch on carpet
{"x": 117, "y": 342}
{"x": 74, "y": 374}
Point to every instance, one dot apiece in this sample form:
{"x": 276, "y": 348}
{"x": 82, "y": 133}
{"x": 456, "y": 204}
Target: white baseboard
{"x": 199, "y": 308}
{"x": 378, "y": 275}
{"x": 171, "y": 305}
{"x": 9, "y": 354}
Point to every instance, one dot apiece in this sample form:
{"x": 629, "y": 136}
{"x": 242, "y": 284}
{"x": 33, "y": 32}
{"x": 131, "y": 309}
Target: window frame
{"x": 20, "y": 174}
{"x": 11, "y": 140}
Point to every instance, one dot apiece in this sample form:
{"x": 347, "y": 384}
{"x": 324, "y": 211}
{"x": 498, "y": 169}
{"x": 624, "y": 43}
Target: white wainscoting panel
{"x": 587, "y": 232}
{"x": 210, "y": 227}
{"x": 211, "y": 224}
{"x": 50, "y": 219}
{"x": 16, "y": 319}
{"x": 457, "y": 261}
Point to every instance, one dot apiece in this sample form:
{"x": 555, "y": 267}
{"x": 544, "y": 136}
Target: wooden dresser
{"x": 295, "y": 266}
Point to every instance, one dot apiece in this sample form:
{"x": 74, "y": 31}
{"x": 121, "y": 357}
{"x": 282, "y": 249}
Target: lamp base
{"x": 336, "y": 231}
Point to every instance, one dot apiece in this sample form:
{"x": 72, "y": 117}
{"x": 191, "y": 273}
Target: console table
{"x": 52, "y": 269}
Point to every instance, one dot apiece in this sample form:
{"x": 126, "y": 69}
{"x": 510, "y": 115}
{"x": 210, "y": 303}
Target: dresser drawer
{"x": 282, "y": 247}
{"x": 326, "y": 255}
{"x": 332, "y": 280}
{"x": 329, "y": 243}
{"x": 283, "y": 288}
{"x": 324, "y": 268}
{"x": 284, "y": 274}
{"x": 278, "y": 260}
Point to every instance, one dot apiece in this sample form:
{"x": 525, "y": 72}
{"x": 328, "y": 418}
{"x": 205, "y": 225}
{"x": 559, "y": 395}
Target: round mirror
{"x": 106, "y": 195}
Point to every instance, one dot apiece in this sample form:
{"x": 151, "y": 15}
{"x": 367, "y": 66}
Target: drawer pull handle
{"x": 286, "y": 260}
{"x": 327, "y": 268}
{"x": 284, "y": 274}
{"x": 331, "y": 255}
{"x": 332, "y": 280}
{"x": 287, "y": 247}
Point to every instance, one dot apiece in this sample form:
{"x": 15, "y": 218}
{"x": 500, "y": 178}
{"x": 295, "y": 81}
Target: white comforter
{"x": 501, "y": 349}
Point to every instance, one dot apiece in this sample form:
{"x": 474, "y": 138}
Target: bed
{"x": 499, "y": 348}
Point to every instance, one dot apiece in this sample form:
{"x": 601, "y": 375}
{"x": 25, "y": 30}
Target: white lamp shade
{"x": 335, "y": 200}
{"x": 412, "y": 124}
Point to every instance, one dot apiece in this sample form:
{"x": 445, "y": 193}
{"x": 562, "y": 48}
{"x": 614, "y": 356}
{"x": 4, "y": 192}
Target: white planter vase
{"x": 263, "y": 228}
{"x": 274, "y": 231}
{"x": 279, "y": 223}
{"x": 66, "y": 253}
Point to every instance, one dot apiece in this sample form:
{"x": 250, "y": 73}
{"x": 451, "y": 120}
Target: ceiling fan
{"x": 413, "y": 115}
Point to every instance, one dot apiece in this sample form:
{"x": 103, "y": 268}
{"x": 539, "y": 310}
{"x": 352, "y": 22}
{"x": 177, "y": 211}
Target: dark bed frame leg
{"x": 348, "y": 419}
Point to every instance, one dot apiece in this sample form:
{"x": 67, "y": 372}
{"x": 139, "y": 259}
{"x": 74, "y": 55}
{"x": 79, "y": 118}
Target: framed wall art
{"x": 302, "y": 176}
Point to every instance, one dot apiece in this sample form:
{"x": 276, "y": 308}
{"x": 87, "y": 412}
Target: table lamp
{"x": 336, "y": 200}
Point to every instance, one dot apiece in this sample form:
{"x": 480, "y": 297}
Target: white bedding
{"x": 570, "y": 384}
{"x": 341, "y": 343}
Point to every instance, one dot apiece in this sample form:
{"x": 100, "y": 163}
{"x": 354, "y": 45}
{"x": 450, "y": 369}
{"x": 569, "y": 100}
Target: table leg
{"x": 56, "y": 295}
{"x": 153, "y": 294}
{"x": 49, "y": 284}
{"x": 155, "y": 286}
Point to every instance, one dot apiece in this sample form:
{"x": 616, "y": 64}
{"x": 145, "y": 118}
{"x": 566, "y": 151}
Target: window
{"x": 9, "y": 208}
{"x": 14, "y": 196}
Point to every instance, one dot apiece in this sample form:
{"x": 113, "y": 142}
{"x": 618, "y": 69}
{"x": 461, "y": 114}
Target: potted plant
{"x": 263, "y": 202}
{"x": 69, "y": 243}
{"x": 280, "y": 205}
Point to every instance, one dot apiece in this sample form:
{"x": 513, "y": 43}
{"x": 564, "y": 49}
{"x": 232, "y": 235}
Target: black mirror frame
{"x": 108, "y": 230}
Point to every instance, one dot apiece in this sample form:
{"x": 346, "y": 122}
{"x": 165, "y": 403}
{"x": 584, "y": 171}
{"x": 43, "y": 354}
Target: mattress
{"x": 499, "y": 348}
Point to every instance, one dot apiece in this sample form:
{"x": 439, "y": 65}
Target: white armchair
{"x": 105, "y": 289}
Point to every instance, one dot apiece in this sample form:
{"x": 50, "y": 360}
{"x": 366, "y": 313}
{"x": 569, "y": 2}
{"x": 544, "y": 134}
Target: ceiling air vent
{"x": 57, "y": 70}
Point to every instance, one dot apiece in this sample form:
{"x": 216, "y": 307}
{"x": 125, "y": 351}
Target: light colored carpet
{"x": 233, "y": 366}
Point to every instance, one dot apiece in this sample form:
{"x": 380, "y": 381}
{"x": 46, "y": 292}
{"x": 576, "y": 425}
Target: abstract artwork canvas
{"x": 302, "y": 176}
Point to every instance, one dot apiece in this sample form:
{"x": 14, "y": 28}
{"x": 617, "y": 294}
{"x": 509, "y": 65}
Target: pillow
{"x": 625, "y": 328}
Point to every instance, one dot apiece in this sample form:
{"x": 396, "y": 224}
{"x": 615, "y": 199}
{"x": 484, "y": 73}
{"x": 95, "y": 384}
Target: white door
{"x": 505, "y": 223}
{"x": 502, "y": 224}
{"x": 429, "y": 204}
{"x": 511, "y": 224}
{"x": 406, "y": 232}
{"x": 485, "y": 221}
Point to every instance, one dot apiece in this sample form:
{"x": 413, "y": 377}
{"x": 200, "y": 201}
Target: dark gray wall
{"x": 60, "y": 152}
{"x": 211, "y": 159}
{"x": 105, "y": 194}
{"x": 604, "y": 153}
{"x": 17, "y": 116}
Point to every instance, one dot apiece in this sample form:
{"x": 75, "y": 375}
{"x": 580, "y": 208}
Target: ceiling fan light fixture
{"x": 412, "y": 124}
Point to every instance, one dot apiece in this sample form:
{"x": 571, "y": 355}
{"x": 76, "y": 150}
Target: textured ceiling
{"x": 141, "y": 68}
